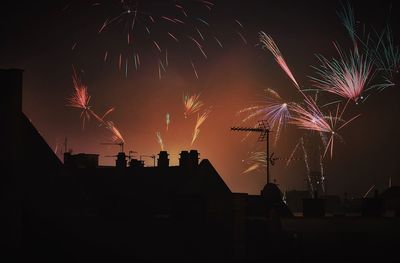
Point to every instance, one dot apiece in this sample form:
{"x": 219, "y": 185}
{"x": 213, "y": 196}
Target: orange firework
{"x": 200, "y": 120}
{"x": 192, "y": 104}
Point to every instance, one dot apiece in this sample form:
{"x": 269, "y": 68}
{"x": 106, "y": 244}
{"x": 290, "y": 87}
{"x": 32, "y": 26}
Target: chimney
{"x": 163, "y": 160}
{"x": 121, "y": 160}
{"x": 189, "y": 159}
{"x": 184, "y": 159}
{"x": 194, "y": 158}
{"x": 11, "y": 111}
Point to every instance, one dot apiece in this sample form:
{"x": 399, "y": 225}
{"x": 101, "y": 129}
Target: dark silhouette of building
{"x": 81, "y": 211}
{"x": 163, "y": 160}
{"x": 391, "y": 197}
{"x": 23, "y": 156}
{"x": 373, "y": 207}
{"x": 294, "y": 200}
{"x": 314, "y": 207}
{"x": 81, "y": 160}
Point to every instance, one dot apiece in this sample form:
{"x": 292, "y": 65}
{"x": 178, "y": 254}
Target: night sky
{"x": 47, "y": 38}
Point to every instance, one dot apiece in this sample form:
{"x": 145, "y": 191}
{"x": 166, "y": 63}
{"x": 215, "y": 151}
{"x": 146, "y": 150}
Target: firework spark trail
{"x": 387, "y": 57}
{"x": 117, "y": 136}
{"x": 219, "y": 42}
{"x": 200, "y": 120}
{"x": 199, "y": 46}
{"x": 160, "y": 141}
{"x": 274, "y": 109}
{"x": 167, "y": 120}
{"x": 307, "y": 165}
{"x": 369, "y": 190}
{"x": 194, "y": 70}
{"x": 256, "y": 161}
{"x": 192, "y": 104}
{"x": 346, "y": 76}
{"x": 291, "y": 156}
{"x": 346, "y": 15}
{"x": 321, "y": 167}
{"x": 242, "y": 37}
{"x": 312, "y": 118}
{"x": 173, "y": 36}
{"x": 269, "y": 43}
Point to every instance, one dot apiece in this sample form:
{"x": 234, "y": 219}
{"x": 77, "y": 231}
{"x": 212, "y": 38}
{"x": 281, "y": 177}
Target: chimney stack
{"x": 189, "y": 159}
{"x": 194, "y": 158}
{"x": 163, "y": 160}
{"x": 121, "y": 160}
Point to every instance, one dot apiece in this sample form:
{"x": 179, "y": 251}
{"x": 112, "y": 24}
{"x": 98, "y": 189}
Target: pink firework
{"x": 346, "y": 76}
{"x": 269, "y": 43}
{"x": 274, "y": 108}
{"x": 80, "y": 99}
{"x": 312, "y": 118}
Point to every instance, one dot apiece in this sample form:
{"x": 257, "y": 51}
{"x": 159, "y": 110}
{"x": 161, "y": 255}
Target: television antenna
{"x": 264, "y": 129}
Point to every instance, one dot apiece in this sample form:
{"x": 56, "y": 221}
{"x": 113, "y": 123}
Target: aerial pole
{"x": 264, "y": 129}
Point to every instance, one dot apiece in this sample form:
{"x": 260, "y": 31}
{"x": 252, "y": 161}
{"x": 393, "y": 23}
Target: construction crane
{"x": 121, "y": 144}
{"x": 149, "y": 156}
{"x": 264, "y": 129}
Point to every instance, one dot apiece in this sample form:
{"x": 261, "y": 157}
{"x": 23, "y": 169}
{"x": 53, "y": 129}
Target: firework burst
{"x": 274, "y": 109}
{"x": 81, "y": 99}
{"x": 346, "y": 76}
{"x": 156, "y": 26}
{"x": 192, "y": 104}
{"x": 312, "y": 118}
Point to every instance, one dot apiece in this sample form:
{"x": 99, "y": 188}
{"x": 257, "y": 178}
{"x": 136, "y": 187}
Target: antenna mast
{"x": 264, "y": 129}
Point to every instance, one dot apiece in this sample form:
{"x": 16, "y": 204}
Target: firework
{"x": 194, "y": 70}
{"x": 268, "y": 42}
{"x": 274, "y": 109}
{"x": 192, "y": 104}
{"x": 312, "y": 118}
{"x": 160, "y": 140}
{"x": 80, "y": 99}
{"x": 145, "y": 23}
{"x": 200, "y": 120}
{"x": 346, "y": 15}
{"x": 256, "y": 161}
{"x": 369, "y": 190}
{"x": 117, "y": 136}
{"x": 387, "y": 58}
{"x": 346, "y": 76}
{"x": 167, "y": 120}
